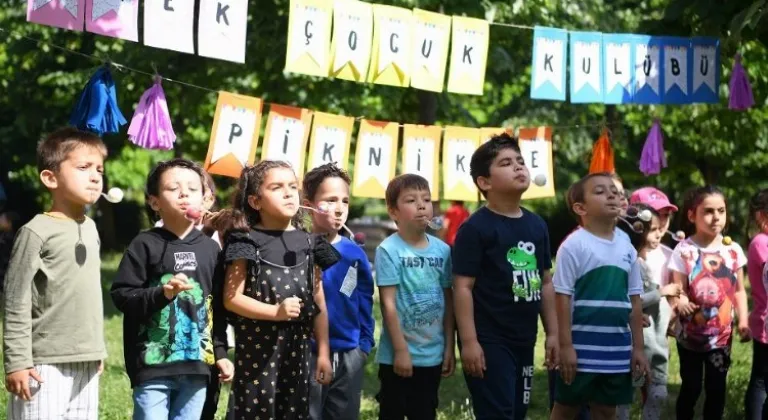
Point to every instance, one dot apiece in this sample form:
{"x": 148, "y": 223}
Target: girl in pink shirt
{"x": 754, "y": 399}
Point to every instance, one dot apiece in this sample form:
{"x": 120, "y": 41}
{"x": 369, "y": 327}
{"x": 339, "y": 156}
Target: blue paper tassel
{"x": 97, "y": 110}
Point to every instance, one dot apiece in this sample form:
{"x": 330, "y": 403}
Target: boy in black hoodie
{"x": 164, "y": 286}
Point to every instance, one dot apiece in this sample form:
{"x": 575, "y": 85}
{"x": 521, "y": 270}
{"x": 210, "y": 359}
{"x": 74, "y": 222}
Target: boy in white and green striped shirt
{"x": 598, "y": 286}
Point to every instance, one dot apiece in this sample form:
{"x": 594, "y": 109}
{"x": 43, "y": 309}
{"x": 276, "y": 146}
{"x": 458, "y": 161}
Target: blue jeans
{"x": 175, "y": 398}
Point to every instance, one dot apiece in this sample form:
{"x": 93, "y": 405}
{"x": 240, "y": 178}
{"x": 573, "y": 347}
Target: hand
{"x": 324, "y": 370}
{"x": 288, "y": 309}
{"x": 226, "y": 370}
{"x": 672, "y": 289}
{"x": 403, "y": 365}
{"x": 568, "y": 363}
{"x": 100, "y": 370}
{"x": 177, "y": 284}
{"x": 473, "y": 359}
{"x": 17, "y": 383}
{"x": 552, "y": 352}
{"x": 449, "y": 361}
{"x": 744, "y": 332}
{"x": 646, "y": 320}
{"x": 639, "y": 365}
{"x": 687, "y": 308}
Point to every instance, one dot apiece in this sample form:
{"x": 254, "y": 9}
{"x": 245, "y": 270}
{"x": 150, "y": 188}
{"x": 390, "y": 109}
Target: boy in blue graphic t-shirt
{"x": 413, "y": 272}
{"x": 502, "y": 264}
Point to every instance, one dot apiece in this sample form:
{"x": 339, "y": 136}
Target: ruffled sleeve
{"x": 240, "y": 246}
{"x": 324, "y": 254}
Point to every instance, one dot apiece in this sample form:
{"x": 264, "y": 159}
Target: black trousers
{"x": 414, "y": 398}
{"x": 709, "y": 368}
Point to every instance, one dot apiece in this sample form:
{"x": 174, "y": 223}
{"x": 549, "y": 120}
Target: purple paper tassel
{"x": 653, "y": 157}
{"x": 741, "y": 92}
{"x": 151, "y": 123}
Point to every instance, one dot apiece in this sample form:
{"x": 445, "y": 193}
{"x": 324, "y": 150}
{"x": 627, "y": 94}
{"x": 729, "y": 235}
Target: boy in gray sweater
{"x": 53, "y": 321}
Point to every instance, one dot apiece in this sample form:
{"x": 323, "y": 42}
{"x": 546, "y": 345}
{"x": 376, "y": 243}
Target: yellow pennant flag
{"x": 421, "y": 154}
{"x": 309, "y": 37}
{"x": 487, "y": 132}
{"x": 330, "y": 140}
{"x": 536, "y": 148}
{"x": 431, "y": 36}
{"x": 392, "y": 40}
{"x": 235, "y": 134}
{"x": 459, "y": 143}
{"x": 286, "y": 136}
{"x": 469, "y": 53}
{"x": 352, "y": 38}
{"x": 375, "y": 158}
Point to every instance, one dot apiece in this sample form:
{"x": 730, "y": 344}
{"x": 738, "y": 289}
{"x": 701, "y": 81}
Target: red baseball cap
{"x": 652, "y": 197}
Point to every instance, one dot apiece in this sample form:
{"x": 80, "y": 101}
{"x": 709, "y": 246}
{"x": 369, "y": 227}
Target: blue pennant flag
{"x": 678, "y": 57}
{"x": 649, "y": 76}
{"x": 586, "y": 67}
{"x": 549, "y": 60}
{"x": 618, "y": 74}
{"x": 705, "y": 69}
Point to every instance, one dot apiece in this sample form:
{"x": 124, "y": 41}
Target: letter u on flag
{"x": 548, "y": 69}
{"x": 586, "y": 67}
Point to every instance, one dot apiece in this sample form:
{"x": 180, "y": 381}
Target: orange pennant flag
{"x": 602, "y": 155}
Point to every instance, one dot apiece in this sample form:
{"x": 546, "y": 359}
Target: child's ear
{"x": 579, "y": 209}
{"x": 153, "y": 203}
{"x": 208, "y": 200}
{"x": 253, "y": 201}
{"x": 48, "y": 178}
{"x": 392, "y": 211}
{"x": 483, "y": 183}
{"x": 306, "y": 203}
{"x": 692, "y": 216}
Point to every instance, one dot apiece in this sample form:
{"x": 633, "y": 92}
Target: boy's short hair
{"x": 315, "y": 177}
{"x": 54, "y": 149}
{"x": 577, "y": 191}
{"x": 482, "y": 158}
{"x": 404, "y": 182}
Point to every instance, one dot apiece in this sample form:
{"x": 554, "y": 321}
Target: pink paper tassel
{"x": 653, "y": 157}
{"x": 741, "y": 92}
{"x": 151, "y": 123}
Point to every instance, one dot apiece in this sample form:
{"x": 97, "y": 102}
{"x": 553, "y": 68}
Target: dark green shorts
{"x": 598, "y": 388}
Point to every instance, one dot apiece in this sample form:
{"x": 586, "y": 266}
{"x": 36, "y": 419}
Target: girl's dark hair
{"x": 758, "y": 203}
{"x": 242, "y": 217}
{"x": 636, "y": 228}
{"x": 153, "y": 181}
{"x": 315, "y": 177}
{"x": 691, "y": 200}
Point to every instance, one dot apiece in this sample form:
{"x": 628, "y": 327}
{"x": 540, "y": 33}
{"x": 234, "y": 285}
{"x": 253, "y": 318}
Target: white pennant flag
{"x": 376, "y": 156}
{"x": 617, "y": 65}
{"x": 310, "y": 34}
{"x": 429, "y": 39}
{"x": 420, "y": 159}
{"x": 354, "y": 32}
{"x": 394, "y": 39}
{"x": 234, "y": 133}
{"x": 459, "y": 152}
{"x": 286, "y": 138}
{"x": 70, "y": 5}
{"x": 586, "y": 57}
{"x": 704, "y": 62}
{"x": 647, "y": 66}
{"x": 676, "y": 68}
{"x": 549, "y": 63}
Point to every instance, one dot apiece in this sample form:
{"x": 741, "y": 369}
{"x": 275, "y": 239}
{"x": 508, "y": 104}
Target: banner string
{"x": 123, "y": 67}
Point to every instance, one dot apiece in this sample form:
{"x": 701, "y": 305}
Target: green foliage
{"x": 704, "y": 143}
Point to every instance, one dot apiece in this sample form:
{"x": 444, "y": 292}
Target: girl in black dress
{"x": 272, "y": 290}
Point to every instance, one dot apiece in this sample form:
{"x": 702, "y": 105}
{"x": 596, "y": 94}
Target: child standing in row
{"x": 53, "y": 318}
{"x": 598, "y": 286}
{"x": 503, "y": 283}
{"x": 754, "y": 399}
{"x": 709, "y": 269}
{"x": 164, "y": 287}
{"x": 413, "y": 272}
{"x": 273, "y": 287}
{"x": 348, "y": 289}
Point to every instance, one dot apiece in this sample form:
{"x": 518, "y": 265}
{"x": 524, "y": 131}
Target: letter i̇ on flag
{"x": 375, "y": 158}
{"x": 286, "y": 136}
{"x": 618, "y": 68}
{"x": 66, "y": 14}
{"x": 586, "y": 67}
{"x": 431, "y": 35}
{"x": 421, "y": 154}
{"x": 309, "y": 37}
{"x": 329, "y": 142}
{"x": 458, "y": 145}
{"x": 352, "y": 38}
{"x": 678, "y": 57}
{"x": 469, "y": 54}
{"x": 549, "y": 61}
{"x": 235, "y": 134}
{"x": 222, "y": 29}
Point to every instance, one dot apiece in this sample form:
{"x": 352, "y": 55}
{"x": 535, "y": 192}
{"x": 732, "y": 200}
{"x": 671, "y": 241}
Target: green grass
{"x": 115, "y": 400}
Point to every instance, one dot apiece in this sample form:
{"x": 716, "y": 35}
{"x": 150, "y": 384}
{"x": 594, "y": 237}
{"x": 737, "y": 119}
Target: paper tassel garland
{"x": 653, "y": 157}
{"x": 740, "y": 91}
{"x": 151, "y": 123}
{"x": 602, "y": 155}
{"x": 97, "y": 109}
